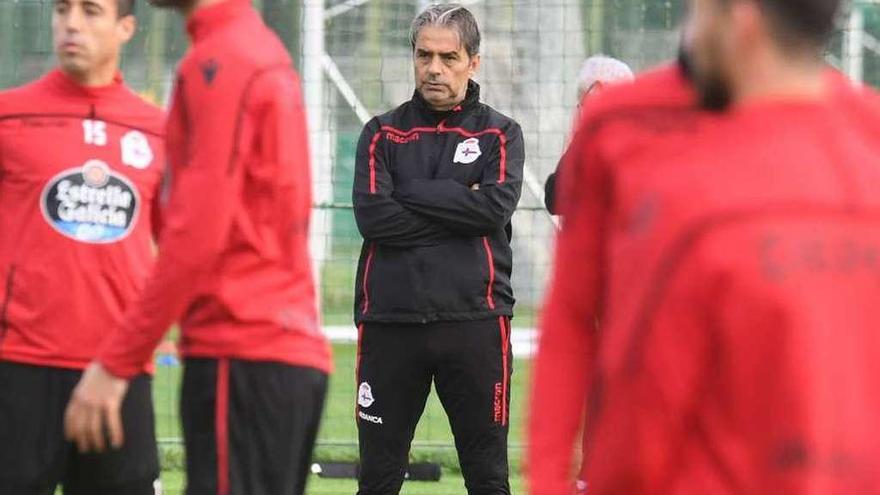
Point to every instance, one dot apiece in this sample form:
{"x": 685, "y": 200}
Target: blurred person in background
{"x": 666, "y": 88}
{"x": 437, "y": 181}
{"x": 233, "y": 267}
{"x": 81, "y": 162}
{"x": 597, "y": 72}
{"x": 732, "y": 264}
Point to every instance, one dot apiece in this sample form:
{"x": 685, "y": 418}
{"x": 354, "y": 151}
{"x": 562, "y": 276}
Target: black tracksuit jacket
{"x": 434, "y": 249}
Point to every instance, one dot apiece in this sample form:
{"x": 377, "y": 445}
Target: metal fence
{"x": 355, "y": 60}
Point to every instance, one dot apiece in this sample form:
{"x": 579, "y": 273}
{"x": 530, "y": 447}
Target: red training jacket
{"x": 666, "y": 97}
{"x": 233, "y": 258}
{"x": 79, "y": 173}
{"x": 733, "y": 264}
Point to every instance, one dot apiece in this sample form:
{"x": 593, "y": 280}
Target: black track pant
{"x": 249, "y": 427}
{"x": 35, "y": 457}
{"x": 470, "y": 365}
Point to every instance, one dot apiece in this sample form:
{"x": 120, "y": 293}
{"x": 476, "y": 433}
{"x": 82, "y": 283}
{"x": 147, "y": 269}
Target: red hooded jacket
{"x": 733, "y": 263}
{"x": 233, "y": 263}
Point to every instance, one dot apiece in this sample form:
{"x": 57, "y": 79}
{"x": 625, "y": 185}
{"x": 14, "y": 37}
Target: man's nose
{"x": 436, "y": 66}
{"x": 74, "y": 19}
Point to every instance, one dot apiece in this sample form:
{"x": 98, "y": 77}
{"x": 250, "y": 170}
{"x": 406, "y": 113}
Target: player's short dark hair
{"x": 801, "y": 23}
{"x": 125, "y": 7}
{"x": 449, "y": 15}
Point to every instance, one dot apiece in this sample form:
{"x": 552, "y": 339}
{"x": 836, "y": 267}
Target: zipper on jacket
{"x": 7, "y": 296}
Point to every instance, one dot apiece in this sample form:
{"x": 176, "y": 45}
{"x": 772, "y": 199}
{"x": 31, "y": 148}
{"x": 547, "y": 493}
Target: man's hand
{"x": 475, "y": 186}
{"x": 94, "y": 409}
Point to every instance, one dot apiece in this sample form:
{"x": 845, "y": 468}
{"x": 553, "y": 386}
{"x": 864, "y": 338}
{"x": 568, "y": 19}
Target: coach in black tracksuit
{"x": 436, "y": 183}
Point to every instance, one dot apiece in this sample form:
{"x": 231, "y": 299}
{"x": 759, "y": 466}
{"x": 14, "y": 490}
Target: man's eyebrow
{"x": 423, "y": 51}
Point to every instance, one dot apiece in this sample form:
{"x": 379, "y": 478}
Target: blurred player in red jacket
{"x": 81, "y": 161}
{"x": 732, "y": 259}
{"x": 233, "y": 267}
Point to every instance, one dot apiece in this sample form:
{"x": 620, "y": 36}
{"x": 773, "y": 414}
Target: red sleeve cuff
{"x": 119, "y": 370}
{"x": 118, "y": 365}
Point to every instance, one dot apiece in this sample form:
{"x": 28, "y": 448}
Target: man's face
{"x": 88, "y": 35}
{"x": 707, "y": 46}
{"x": 442, "y": 67}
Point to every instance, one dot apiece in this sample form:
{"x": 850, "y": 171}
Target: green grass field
{"x": 338, "y": 436}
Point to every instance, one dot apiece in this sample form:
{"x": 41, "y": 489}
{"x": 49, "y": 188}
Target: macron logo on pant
{"x": 497, "y": 405}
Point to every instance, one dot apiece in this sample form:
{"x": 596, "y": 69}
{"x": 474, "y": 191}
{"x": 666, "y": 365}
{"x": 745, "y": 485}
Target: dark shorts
{"x": 35, "y": 457}
{"x": 249, "y": 427}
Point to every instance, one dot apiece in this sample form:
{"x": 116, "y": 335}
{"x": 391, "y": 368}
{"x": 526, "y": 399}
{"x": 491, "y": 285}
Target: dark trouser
{"x": 469, "y": 363}
{"x": 249, "y": 427}
{"x": 35, "y": 457}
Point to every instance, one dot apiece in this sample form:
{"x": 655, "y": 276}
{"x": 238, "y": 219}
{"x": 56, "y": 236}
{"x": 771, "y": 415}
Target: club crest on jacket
{"x": 467, "y": 151}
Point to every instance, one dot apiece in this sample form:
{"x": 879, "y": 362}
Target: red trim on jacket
{"x": 490, "y": 300}
{"x": 502, "y": 139}
{"x": 373, "y": 143}
{"x": 367, "y": 277}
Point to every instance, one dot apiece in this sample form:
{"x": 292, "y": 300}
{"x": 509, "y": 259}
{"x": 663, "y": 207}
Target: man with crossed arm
{"x": 436, "y": 183}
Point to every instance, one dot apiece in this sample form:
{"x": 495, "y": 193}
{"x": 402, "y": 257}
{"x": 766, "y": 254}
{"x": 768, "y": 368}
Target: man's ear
{"x": 475, "y": 64}
{"x": 126, "y": 27}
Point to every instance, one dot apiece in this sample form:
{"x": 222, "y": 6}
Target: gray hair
{"x": 449, "y": 15}
{"x": 603, "y": 69}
